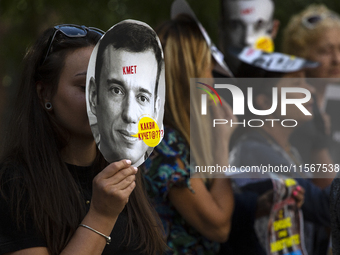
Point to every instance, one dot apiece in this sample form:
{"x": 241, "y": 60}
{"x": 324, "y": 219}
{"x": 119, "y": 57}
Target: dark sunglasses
{"x": 311, "y": 21}
{"x": 72, "y": 31}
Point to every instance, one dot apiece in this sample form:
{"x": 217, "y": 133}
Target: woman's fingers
{"x": 127, "y": 191}
{"x": 122, "y": 175}
{"x": 123, "y": 184}
{"x": 112, "y": 188}
{"x": 299, "y": 195}
{"x": 114, "y": 168}
{"x": 119, "y": 170}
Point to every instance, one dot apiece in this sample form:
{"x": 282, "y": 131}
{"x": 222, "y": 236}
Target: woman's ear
{"x": 276, "y": 25}
{"x": 43, "y": 94}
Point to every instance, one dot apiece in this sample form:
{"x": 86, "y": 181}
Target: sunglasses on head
{"x": 72, "y": 31}
{"x": 311, "y": 21}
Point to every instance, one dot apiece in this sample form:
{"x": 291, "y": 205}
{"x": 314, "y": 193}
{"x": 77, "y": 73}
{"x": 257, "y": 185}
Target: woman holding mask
{"x": 58, "y": 194}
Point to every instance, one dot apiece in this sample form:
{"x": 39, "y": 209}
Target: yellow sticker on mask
{"x": 149, "y": 132}
{"x": 290, "y": 182}
{"x": 264, "y": 43}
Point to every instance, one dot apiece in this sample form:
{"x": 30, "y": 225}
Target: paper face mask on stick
{"x": 125, "y": 92}
{"x": 249, "y": 23}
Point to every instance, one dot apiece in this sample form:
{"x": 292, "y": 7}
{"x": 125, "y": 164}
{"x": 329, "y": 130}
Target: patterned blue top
{"x": 162, "y": 172}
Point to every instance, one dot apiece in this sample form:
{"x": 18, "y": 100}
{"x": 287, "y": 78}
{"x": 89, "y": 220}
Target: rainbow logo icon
{"x": 209, "y": 93}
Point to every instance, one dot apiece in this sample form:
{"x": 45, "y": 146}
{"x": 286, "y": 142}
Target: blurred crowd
{"x": 247, "y": 27}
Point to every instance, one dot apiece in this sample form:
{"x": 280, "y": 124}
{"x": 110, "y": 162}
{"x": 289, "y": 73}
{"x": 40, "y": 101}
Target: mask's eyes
{"x": 260, "y": 24}
{"x": 143, "y": 99}
{"x": 117, "y": 90}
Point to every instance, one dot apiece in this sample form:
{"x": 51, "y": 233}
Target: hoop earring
{"x": 48, "y": 105}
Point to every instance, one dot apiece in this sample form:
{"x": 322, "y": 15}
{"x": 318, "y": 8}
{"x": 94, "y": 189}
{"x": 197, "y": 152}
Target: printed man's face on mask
{"x": 247, "y": 21}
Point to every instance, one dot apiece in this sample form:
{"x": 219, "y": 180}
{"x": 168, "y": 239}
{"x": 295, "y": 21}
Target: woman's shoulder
{"x": 172, "y": 144}
{"x": 11, "y": 173}
{"x": 11, "y": 165}
{"x": 168, "y": 165}
{"x": 12, "y": 183}
{"x": 14, "y": 234}
{"x": 170, "y": 150}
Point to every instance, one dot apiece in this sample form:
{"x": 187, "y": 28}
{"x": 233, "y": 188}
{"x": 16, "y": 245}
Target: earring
{"x": 48, "y": 105}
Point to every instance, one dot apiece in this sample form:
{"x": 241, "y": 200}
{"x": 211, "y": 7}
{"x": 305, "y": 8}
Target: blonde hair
{"x": 186, "y": 55}
{"x": 297, "y": 37}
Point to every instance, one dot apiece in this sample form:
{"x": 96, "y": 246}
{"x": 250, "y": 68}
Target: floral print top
{"x": 162, "y": 171}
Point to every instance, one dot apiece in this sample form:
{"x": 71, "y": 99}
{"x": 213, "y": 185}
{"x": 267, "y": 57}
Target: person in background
{"x": 58, "y": 194}
{"x": 246, "y": 23}
{"x": 312, "y": 34}
{"x": 196, "y": 212}
{"x": 270, "y": 144}
{"x": 245, "y": 204}
{"x": 251, "y": 24}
